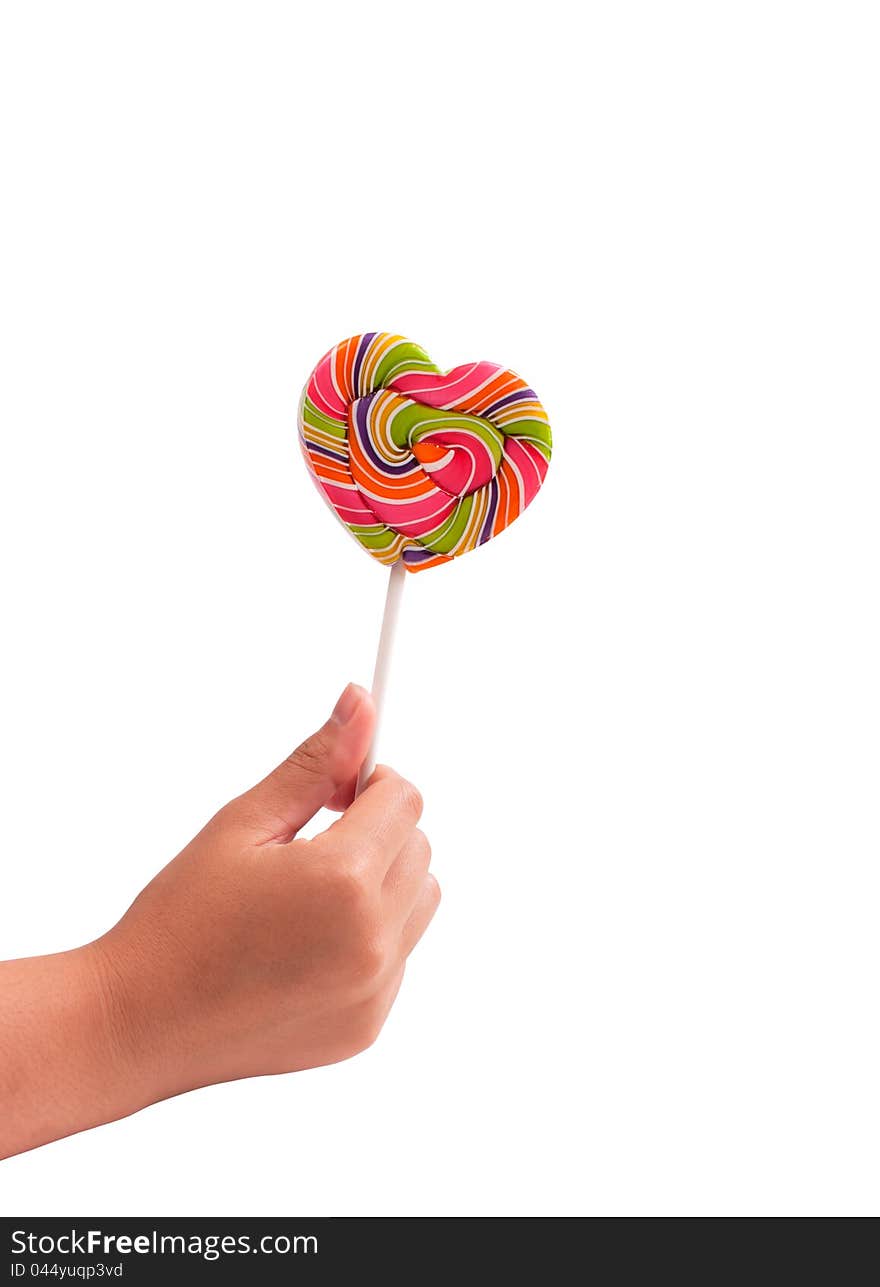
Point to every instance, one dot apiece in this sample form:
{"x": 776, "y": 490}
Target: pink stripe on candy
{"x": 348, "y": 503}
{"x": 415, "y": 518}
{"x": 445, "y": 391}
{"x": 529, "y": 464}
{"x": 323, "y": 392}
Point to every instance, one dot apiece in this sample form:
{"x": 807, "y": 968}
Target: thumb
{"x": 319, "y": 772}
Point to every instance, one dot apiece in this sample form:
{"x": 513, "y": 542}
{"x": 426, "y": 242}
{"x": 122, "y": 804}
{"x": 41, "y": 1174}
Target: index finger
{"x": 380, "y": 821}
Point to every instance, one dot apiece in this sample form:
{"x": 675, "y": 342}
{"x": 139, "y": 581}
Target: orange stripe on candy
{"x": 505, "y": 382}
{"x": 428, "y": 452}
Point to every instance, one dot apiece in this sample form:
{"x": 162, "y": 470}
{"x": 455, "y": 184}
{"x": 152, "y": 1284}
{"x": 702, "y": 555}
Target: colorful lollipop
{"x": 419, "y": 465}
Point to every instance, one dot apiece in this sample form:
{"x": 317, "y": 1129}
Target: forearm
{"x": 62, "y": 1067}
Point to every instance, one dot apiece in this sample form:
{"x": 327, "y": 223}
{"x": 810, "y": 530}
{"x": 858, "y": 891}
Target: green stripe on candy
{"x": 533, "y": 431}
{"x": 317, "y": 420}
{"x": 450, "y": 533}
{"x": 403, "y": 359}
{"x": 376, "y": 537}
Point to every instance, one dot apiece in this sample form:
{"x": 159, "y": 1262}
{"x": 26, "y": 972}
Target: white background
{"x": 645, "y": 719}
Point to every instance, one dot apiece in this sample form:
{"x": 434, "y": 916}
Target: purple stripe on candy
{"x": 325, "y": 451}
{"x": 361, "y": 410}
{"x": 417, "y": 556}
{"x": 520, "y": 396}
{"x": 490, "y": 515}
{"x": 366, "y": 341}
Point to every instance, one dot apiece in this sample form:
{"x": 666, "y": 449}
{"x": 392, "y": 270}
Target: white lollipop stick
{"x": 396, "y": 578}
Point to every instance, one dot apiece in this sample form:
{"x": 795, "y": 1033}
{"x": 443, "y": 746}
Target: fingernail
{"x": 348, "y": 703}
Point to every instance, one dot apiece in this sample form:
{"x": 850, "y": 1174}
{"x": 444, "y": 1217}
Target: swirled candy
{"x": 420, "y": 465}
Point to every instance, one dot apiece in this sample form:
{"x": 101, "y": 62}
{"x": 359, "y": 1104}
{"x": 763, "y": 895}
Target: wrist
{"x": 136, "y": 1022}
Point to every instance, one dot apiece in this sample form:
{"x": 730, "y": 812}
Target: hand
{"x": 255, "y": 952}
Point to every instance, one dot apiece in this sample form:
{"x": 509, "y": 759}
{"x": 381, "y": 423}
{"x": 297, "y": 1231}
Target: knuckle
{"x": 350, "y": 886}
{"x": 310, "y": 757}
{"x": 409, "y": 798}
{"x": 367, "y": 959}
{"x": 415, "y": 858}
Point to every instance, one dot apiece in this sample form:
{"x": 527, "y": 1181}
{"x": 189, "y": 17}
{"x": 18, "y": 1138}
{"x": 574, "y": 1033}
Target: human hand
{"x": 253, "y": 951}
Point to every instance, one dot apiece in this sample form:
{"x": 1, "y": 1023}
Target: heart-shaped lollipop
{"x": 418, "y": 465}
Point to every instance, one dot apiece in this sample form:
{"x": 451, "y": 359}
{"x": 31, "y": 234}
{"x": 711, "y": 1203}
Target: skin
{"x": 252, "y": 952}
